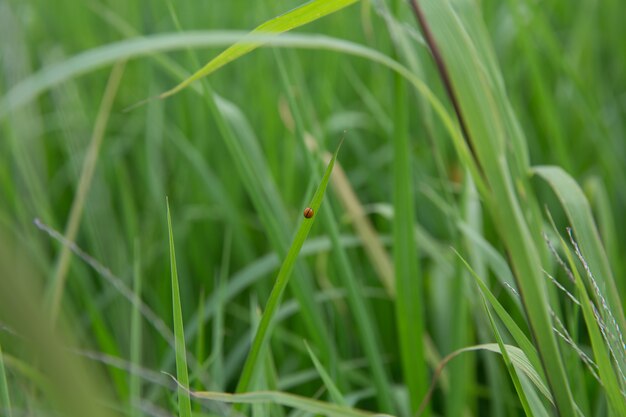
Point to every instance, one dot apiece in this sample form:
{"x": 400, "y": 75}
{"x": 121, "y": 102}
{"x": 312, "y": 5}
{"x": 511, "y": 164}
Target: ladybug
{"x": 308, "y": 213}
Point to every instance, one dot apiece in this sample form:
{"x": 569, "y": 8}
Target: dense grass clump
{"x": 462, "y": 161}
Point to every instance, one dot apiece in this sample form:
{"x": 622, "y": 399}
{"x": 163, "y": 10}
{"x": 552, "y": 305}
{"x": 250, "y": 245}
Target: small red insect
{"x": 308, "y": 212}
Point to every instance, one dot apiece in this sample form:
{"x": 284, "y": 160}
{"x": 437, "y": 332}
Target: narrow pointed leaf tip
{"x": 300, "y": 16}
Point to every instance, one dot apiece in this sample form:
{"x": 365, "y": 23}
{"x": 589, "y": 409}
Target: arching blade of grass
{"x": 290, "y": 400}
{"x": 263, "y": 332}
{"x": 516, "y": 355}
{"x": 93, "y": 59}
{"x": 184, "y": 402}
{"x": 299, "y": 16}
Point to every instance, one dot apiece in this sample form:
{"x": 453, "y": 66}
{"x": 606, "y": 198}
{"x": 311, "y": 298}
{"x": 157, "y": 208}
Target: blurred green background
{"x": 238, "y": 175}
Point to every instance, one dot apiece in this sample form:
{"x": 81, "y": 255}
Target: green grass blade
{"x": 300, "y": 16}
{"x": 505, "y": 355}
{"x": 263, "y": 332}
{"x": 333, "y": 390}
{"x": 581, "y": 219}
{"x": 409, "y": 303}
{"x": 508, "y": 362}
{"x": 5, "y": 399}
{"x": 483, "y": 106}
{"x": 517, "y": 358}
{"x": 57, "y": 284}
{"x": 134, "y": 383}
{"x": 184, "y": 402}
{"x": 518, "y": 334}
{"x": 290, "y": 400}
{"x": 617, "y": 403}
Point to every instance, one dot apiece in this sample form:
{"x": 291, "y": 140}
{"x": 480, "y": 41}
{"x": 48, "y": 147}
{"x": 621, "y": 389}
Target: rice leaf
{"x": 483, "y": 108}
{"x": 581, "y": 219}
{"x": 299, "y": 16}
{"x": 5, "y": 399}
{"x": 616, "y": 400}
{"x": 184, "y": 402}
{"x": 333, "y": 390}
{"x": 263, "y": 332}
{"x": 290, "y": 400}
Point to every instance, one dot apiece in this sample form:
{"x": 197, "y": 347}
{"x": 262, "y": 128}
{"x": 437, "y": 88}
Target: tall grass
{"x": 474, "y": 208}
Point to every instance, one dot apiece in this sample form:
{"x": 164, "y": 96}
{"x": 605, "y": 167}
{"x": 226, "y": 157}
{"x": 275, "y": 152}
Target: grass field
{"x": 463, "y": 160}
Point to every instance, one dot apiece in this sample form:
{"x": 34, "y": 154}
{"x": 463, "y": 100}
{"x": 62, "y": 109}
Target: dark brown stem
{"x": 445, "y": 76}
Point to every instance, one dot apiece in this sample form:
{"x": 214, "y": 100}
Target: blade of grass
{"x": 5, "y": 399}
{"x": 580, "y": 217}
{"x": 333, "y": 390}
{"x": 88, "y": 61}
{"x": 512, "y": 327}
{"x": 290, "y": 400}
{"x": 25, "y": 91}
{"x": 518, "y": 359}
{"x": 505, "y": 355}
{"x": 481, "y": 108}
{"x": 409, "y": 303}
{"x": 263, "y": 332}
{"x": 184, "y": 402}
{"x": 135, "y": 337}
{"x": 616, "y": 401}
{"x": 89, "y": 165}
{"x": 299, "y": 16}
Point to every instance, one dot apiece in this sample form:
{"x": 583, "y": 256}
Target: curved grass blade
{"x": 297, "y": 17}
{"x": 184, "y": 402}
{"x": 96, "y": 58}
{"x": 290, "y": 400}
{"x": 518, "y": 359}
{"x": 263, "y": 332}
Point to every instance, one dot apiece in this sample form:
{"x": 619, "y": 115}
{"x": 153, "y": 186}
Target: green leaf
{"x": 5, "y": 399}
{"x": 263, "y": 332}
{"x": 184, "y": 402}
{"x": 299, "y": 16}
{"x": 505, "y": 355}
{"x": 290, "y": 400}
{"x": 334, "y": 392}
{"x": 530, "y": 354}
{"x": 581, "y": 219}
{"x": 497, "y": 145}
{"x": 611, "y": 385}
